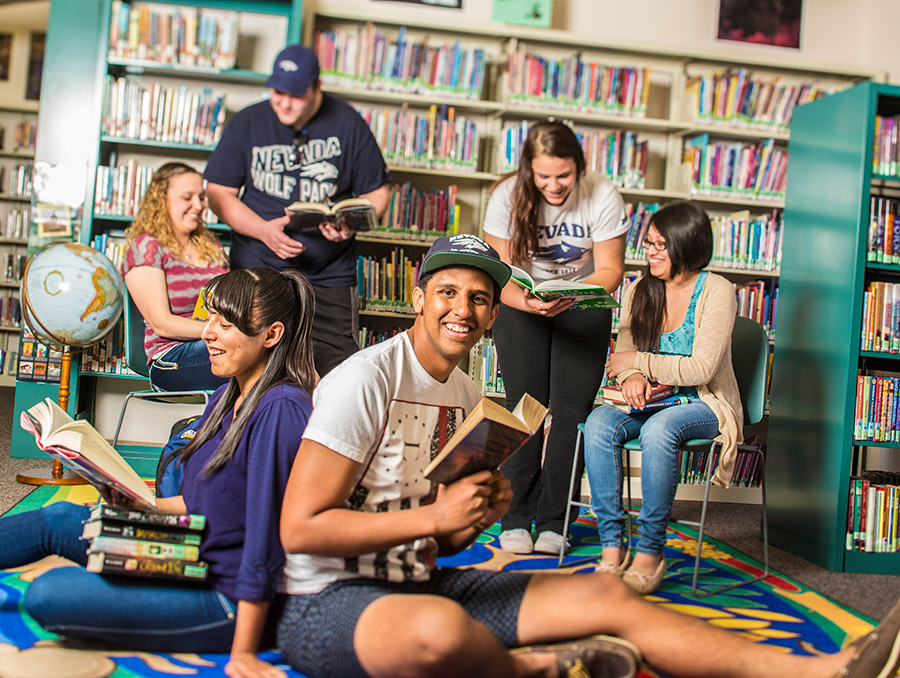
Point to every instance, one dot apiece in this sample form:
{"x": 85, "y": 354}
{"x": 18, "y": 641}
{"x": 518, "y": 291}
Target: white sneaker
{"x": 516, "y": 541}
{"x": 550, "y": 542}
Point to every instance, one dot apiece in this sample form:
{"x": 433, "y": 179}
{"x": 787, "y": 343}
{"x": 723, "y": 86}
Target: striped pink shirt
{"x": 183, "y": 284}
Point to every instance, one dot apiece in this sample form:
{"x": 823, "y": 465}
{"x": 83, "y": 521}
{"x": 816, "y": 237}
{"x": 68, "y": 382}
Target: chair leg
{"x": 578, "y": 439}
{"x": 115, "y": 439}
{"x": 765, "y": 529}
{"x": 627, "y": 509}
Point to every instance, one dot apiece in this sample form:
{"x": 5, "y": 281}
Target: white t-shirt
{"x": 382, "y": 409}
{"x": 593, "y": 212}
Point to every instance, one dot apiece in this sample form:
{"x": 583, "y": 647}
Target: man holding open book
{"x": 302, "y": 145}
{"x": 363, "y": 528}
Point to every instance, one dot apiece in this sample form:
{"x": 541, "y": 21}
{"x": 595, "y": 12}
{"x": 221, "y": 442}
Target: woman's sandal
{"x": 618, "y": 570}
{"x": 644, "y": 582}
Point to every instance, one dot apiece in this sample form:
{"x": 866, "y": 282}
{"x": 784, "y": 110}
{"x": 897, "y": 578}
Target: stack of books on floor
{"x": 142, "y": 544}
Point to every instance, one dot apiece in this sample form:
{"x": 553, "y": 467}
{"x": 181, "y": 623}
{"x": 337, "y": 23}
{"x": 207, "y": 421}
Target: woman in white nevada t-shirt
{"x": 556, "y": 221}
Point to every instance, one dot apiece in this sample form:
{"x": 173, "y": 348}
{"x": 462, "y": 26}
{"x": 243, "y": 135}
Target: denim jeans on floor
{"x": 184, "y": 367}
{"x": 661, "y": 433}
{"x": 142, "y": 614}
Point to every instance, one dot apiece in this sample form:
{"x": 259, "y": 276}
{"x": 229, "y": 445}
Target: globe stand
{"x": 57, "y": 474}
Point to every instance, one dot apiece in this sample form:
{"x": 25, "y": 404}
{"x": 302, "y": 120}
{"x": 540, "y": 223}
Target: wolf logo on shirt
{"x": 274, "y": 172}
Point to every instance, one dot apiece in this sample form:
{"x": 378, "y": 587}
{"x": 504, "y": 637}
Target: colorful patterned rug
{"x": 779, "y": 611}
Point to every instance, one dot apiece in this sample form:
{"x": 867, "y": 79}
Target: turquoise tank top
{"x": 680, "y": 341}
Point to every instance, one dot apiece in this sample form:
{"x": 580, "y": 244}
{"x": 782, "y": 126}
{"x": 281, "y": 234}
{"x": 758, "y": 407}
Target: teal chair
{"x": 136, "y": 359}
{"x": 750, "y": 360}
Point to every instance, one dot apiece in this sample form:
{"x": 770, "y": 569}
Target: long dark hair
{"x": 547, "y": 137}
{"x": 688, "y": 235}
{"x": 252, "y": 299}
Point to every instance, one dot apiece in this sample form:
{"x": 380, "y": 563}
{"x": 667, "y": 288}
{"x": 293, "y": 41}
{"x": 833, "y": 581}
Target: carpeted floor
{"x": 779, "y": 611}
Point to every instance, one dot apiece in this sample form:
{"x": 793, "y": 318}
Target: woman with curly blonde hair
{"x": 171, "y": 256}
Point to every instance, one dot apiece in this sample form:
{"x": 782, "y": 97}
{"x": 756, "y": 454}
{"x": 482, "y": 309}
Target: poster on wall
{"x": 449, "y": 4}
{"x": 523, "y": 12}
{"x": 5, "y": 54}
{"x": 35, "y": 66}
{"x": 762, "y": 22}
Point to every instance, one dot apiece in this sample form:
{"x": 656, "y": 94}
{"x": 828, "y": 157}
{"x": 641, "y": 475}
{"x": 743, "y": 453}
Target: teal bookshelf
{"x": 824, "y": 273}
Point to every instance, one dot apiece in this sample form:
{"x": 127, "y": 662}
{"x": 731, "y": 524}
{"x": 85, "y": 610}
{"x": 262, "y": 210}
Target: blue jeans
{"x": 661, "y": 433}
{"x": 184, "y": 367}
{"x": 143, "y": 614}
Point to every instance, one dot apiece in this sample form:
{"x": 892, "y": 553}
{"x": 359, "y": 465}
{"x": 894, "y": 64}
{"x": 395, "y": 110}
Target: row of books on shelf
{"x": 883, "y": 244}
{"x": 618, "y": 154}
{"x": 386, "y": 283}
{"x": 8, "y": 362}
{"x": 736, "y": 98}
{"x": 758, "y": 300}
{"x": 881, "y": 317}
{"x": 369, "y": 336}
{"x": 129, "y": 542}
{"x": 877, "y": 408}
{"x": 576, "y": 84}
{"x": 873, "y": 512}
{"x": 740, "y": 242}
{"x": 750, "y": 243}
{"x": 750, "y": 170}
{"x": 693, "y": 467}
{"x": 194, "y": 36}
{"x": 14, "y": 221}
{"x": 38, "y": 361}
{"x": 24, "y": 136}
{"x": 14, "y": 267}
{"x": 16, "y": 180}
{"x": 439, "y": 139}
{"x": 369, "y": 57}
{"x": 156, "y": 113}
{"x": 113, "y": 248}
{"x": 107, "y": 356}
{"x": 119, "y": 189}
{"x": 638, "y": 216}
{"x": 885, "y": 147}
{"x": 483, "y": 366}
{"x": 417, "y": 214}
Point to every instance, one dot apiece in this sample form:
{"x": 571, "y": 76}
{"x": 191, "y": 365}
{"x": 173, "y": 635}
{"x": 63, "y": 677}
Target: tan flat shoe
{"x": 617, "y": 570}
{"x": 643, "y": 582}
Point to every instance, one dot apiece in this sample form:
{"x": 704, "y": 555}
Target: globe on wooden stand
{"x": 71, "y": 295}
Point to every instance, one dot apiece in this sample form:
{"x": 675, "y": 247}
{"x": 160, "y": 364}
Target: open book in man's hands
{"x": 80, "y": 446}
{"x": 585, "y": 295}
{"x": 488, "y": 436}
{"x": 357, "y": 214}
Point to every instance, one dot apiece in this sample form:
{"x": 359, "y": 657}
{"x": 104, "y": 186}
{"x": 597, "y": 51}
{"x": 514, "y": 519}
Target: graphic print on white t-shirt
{"x": 413, "y": 435}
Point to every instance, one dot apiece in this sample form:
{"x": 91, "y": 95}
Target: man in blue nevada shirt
{"x": 300, "y": 145}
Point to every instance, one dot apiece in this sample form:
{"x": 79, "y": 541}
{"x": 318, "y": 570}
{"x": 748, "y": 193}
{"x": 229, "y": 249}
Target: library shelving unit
{"x": 17, "y": 140}
{"x": 825, "y": 272}
{"x": 684, "y": 112}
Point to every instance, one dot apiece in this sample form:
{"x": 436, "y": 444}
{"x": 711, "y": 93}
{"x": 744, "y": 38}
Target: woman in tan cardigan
{"x": 676, "y": 329}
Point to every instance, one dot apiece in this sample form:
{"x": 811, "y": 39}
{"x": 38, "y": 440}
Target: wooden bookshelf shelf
{"x": 19, "y": 155}
{"x": 15, "y": 198}
{"x": 387, "y": 240}
{"x": 233, "y": 75}
{"x": 13, "y": 241}
{"x": 388, "y": 314}
{"x": 361, "y": 93}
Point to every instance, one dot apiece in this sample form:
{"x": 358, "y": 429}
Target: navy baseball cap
{"x": 466, "y": 250}
{"x": 296, "y": 68}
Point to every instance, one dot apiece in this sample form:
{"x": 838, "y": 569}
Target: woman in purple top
{"x": 258, "y": 336}
{"x": 171, "y": 256}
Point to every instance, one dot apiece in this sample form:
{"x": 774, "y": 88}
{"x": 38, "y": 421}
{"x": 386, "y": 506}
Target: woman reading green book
{"x": 676, "y": 329}
{"x": 258, "y": 336}
{"x": 557, "y": 221}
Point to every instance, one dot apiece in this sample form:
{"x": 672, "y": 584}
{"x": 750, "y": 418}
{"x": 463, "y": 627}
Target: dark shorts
{"x": 315, "y": 634}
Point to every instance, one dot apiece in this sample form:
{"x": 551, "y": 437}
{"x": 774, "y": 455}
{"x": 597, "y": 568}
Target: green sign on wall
{"x": 524, "y": 12}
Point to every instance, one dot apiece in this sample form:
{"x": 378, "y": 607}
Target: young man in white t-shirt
{"x": 363, "y": 529}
